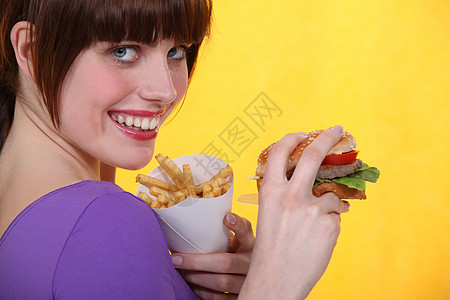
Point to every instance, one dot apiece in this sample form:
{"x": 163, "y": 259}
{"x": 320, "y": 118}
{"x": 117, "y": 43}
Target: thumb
{"x": 243, "y": 239}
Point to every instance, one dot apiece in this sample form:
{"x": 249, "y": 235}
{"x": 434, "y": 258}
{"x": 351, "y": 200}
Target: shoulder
{"x": 112, "y": 215}
{"x": 117, "y": 245}
{"x": 102, "y": 207}
{"x": 119, "y": 217}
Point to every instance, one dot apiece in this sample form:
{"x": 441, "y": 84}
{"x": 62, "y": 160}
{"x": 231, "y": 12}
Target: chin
{"x": 137, "y": 164}
{"x": 132, "y": 166}
{"x": 135, "y": 161}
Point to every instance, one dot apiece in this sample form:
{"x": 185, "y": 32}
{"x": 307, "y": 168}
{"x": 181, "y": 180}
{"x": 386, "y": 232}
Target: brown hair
{"x": 62, "y": 29}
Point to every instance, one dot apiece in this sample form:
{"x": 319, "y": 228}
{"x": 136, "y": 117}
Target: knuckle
{"x": 336, "y": 201}
{"x": 276, "y": 147}
{"x": 330, "y": 197}
{"x": 330, "y": 224}
{"x": 247, "y": 223}
{"x": 313, "y": 153}
{"x": 248, "y": 227}
{"x": 267, "y": 183}
{"x": 313, "y": 210}
{"x": 284, "y": 142}
{"x": 290, "y": 135}
{"x": 227, "y": 262}
{"x": 271, "y": 191}
{"x": 225, "y": 283}
{"x": 291, "y": 198}
{"x": 191, "y": 262}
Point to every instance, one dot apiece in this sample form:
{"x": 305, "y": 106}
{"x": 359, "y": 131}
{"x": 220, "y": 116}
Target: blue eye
{"x": 126, "y": 54}
{"x": 177, "y": 52}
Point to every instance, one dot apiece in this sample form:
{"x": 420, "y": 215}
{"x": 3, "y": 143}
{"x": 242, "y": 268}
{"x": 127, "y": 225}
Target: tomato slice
{"x": 340, "y": 159}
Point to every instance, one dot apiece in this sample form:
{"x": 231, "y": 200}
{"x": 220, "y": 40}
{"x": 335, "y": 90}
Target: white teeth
{"x": 145, "y": 125}
{"x": 129, "y": 121}
{"x": 153, "y": 124}
{"x": 137, "y": 123}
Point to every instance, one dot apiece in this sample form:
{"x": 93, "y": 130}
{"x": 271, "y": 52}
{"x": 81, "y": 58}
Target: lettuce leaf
{"x": 356, "y": 180}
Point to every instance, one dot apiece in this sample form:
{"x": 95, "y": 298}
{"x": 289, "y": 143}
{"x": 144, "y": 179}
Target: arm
{"x": 210, "y": 275}
{"x": 296, "y": 231}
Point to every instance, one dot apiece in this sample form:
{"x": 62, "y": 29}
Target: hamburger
{"x": 341, "y": 172}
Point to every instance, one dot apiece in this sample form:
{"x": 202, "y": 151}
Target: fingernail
{"x": 231, "y": 219}
{"x": 177, "y": 260}
{"x": 338, "y": 129}
{"x": 347, "y": 205}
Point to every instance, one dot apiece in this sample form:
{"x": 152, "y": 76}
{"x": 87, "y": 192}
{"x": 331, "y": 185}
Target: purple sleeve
{"x": 117, "y": 250}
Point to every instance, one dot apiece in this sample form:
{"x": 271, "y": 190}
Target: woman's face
{"x": 115, "y": 98}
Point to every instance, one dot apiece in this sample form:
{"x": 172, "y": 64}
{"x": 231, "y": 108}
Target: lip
{"x": 139, "y": 113}
{"x": 137, "y": 134}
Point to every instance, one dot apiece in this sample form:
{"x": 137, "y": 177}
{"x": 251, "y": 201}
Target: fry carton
{"x": 195, "y": 225}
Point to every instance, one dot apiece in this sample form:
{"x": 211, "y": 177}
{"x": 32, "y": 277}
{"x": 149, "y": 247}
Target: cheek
{"x": 102, "y": 85}
{"x": 89, "y": 90}
{"x": 180, "y": 82}
{"x": 88, "y": 78}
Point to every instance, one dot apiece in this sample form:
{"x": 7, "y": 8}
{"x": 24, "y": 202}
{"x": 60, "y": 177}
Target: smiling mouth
{"x": 136, "y": 123}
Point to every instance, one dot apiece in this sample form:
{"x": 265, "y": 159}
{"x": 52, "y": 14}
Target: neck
{"x": 107, "y": 173}
{"x": 39, "y": 144}
{"x": 36, "y": 160}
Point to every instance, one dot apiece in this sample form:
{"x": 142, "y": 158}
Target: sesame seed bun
{"x": 346, "y": 144}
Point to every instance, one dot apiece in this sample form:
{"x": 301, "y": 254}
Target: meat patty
{"x": 325, "y": 172}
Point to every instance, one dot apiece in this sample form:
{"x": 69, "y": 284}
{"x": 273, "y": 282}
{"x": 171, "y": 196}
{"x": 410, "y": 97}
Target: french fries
{"x": 168, "y": 194}
{"x": 152, "y": 181}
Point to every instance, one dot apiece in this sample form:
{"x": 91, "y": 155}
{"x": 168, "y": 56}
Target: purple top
{"x": 90, "y": 240}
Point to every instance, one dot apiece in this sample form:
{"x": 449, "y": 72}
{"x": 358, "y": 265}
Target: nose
{"x": 157, "y": 82}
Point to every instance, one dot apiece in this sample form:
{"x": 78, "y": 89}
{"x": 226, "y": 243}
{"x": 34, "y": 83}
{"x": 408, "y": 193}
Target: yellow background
{"x": 381, "y": 69}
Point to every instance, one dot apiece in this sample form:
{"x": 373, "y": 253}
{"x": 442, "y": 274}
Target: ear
{"x": 20, "y": 39}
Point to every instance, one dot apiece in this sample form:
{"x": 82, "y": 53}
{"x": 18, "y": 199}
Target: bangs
{"x": 146, "y": 21}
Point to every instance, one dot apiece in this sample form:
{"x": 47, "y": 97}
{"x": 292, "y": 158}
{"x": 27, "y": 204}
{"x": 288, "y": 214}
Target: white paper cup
{"x": 195, "y": 225}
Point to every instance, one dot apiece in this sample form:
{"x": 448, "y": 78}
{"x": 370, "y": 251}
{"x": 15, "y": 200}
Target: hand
{"x": 296, "y": 231}
{"x": 211, "y": 275}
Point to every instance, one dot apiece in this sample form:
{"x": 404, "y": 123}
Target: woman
{"x": 84, "y": 87}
